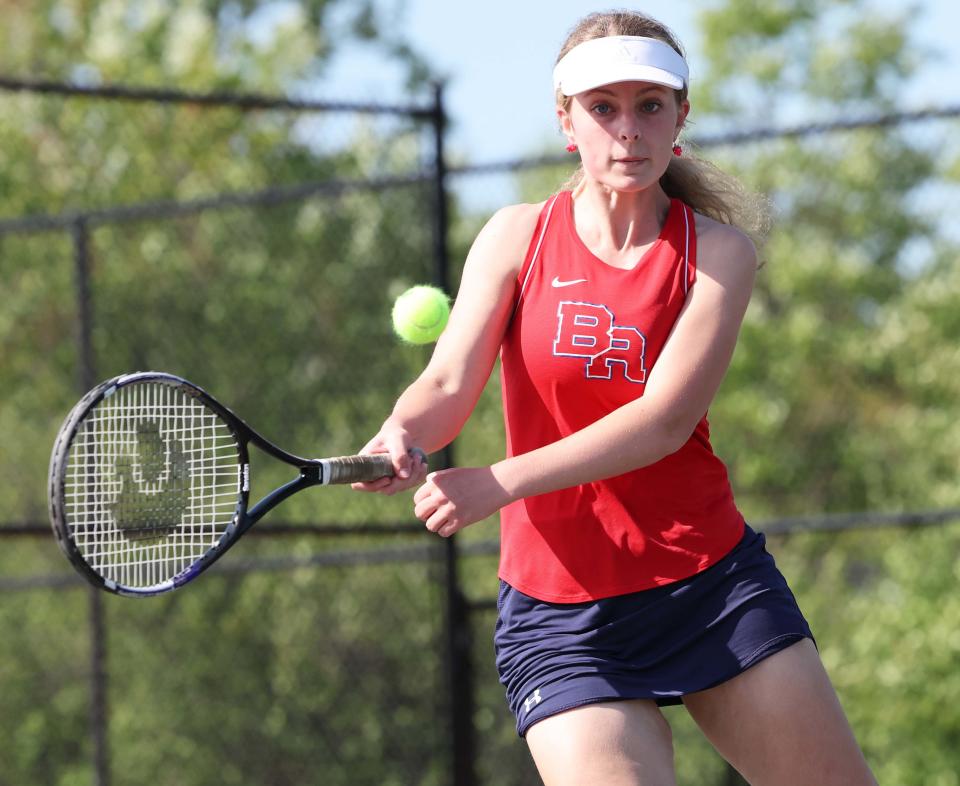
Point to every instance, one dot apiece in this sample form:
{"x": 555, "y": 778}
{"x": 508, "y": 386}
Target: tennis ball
{"x": 420, "y": 314}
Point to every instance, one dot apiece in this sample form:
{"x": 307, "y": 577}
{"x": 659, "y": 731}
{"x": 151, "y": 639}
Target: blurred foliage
{"x": 262, "y": 45}
{"x": 841, "y": 396}
{"x": 282, "y": 312}
{"x": 329, "y": 676}
{"x": 843, "y": 392}
{"x": 299, "y": 697}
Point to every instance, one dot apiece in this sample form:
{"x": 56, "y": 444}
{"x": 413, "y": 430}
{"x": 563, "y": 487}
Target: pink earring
{"x": 677, "y": 150}
{"x": 571, "y": 148}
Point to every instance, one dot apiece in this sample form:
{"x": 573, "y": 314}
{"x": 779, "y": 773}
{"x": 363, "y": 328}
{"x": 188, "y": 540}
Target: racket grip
{"x": 356, "y": 469}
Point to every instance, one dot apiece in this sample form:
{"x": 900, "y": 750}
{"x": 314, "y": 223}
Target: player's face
{"x": 625, "y": 132}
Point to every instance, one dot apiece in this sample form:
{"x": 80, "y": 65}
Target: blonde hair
{"x": 707, "y": 189}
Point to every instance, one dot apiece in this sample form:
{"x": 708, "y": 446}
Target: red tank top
{"x": 582, "y": 341}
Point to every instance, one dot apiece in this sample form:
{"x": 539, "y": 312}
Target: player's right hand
{"x": 409, "y": 463}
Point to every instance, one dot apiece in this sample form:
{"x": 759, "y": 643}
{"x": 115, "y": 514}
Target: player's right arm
{"x": 433, "y": 409}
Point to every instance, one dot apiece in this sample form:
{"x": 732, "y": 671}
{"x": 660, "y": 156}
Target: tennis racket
{"x": 150, "y": 482}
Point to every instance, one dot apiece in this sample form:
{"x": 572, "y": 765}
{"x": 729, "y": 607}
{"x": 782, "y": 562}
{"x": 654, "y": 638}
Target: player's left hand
{"x": 452, "y": 499}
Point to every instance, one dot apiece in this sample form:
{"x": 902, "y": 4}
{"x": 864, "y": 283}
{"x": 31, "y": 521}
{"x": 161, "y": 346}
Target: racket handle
{"x": 355, "y": 469}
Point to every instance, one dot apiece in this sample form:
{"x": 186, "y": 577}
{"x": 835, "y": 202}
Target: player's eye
{"x": 602, "y": 108}
{"x": 651, "y": 107}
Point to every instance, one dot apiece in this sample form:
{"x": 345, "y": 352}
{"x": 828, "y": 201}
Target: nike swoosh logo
{"x": 558, "y": 283}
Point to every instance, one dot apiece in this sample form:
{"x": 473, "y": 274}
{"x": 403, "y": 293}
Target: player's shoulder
{"x": 516, "y": 222}
{"x": 723, "y": 247}
{"x": 504, "y": 239}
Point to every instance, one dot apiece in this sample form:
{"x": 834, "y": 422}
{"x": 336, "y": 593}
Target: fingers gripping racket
{"x": 150, "y": 482}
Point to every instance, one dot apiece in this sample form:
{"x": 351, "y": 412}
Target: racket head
{"x": 149, "y": 481}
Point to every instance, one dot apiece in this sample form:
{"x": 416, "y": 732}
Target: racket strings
{"x": 152, "y": 483}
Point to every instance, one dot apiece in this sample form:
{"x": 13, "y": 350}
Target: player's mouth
{"x": 629, "y": 160}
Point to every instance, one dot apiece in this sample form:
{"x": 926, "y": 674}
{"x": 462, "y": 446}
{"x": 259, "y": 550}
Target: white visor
{"x": 619, "y": 58}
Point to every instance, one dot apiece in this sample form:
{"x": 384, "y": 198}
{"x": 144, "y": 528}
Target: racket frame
{"x": 312, "y": 472}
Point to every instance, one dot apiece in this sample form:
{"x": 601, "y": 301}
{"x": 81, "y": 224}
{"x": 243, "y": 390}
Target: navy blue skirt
{"x": 660, "y": 643}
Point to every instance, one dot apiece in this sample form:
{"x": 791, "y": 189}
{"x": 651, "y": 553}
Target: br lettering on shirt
{"x": 587, "y": 331}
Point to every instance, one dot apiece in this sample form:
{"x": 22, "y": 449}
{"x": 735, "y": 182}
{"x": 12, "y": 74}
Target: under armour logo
{"x": 532, "y": 701}
{"x": 586, "y": 330}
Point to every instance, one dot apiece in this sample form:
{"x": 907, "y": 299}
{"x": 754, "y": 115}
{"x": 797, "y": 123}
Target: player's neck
{"x": 619, "y": 222}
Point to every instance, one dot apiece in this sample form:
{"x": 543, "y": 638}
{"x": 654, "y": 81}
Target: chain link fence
{"x": 254, "y": 246}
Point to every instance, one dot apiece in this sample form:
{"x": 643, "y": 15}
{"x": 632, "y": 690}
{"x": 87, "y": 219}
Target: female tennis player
{"x": 629, "y": 579}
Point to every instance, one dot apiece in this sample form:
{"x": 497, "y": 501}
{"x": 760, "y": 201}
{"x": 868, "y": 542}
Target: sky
{"x": 497, "y": 58}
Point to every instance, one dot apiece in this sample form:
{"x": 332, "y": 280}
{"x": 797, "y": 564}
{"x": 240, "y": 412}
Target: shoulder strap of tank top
{"x": 538, "y": 238}
{"x": 689, "y": 247}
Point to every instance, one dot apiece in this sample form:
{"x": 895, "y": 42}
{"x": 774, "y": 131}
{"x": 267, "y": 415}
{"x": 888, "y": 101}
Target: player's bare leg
{"x": 780, "y": 723}
{"x": 621, "y": 743}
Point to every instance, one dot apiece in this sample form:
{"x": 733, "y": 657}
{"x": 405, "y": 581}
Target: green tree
{"x": 279, "y": 310}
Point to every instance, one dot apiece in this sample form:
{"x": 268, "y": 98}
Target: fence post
{"x": 458, "y": 644}
{"x": 87, "y": 379}
{"x": 81, "y": 258}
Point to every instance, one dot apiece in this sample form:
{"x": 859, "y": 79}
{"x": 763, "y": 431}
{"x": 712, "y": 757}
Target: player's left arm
{"x": 679, "y": 390}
